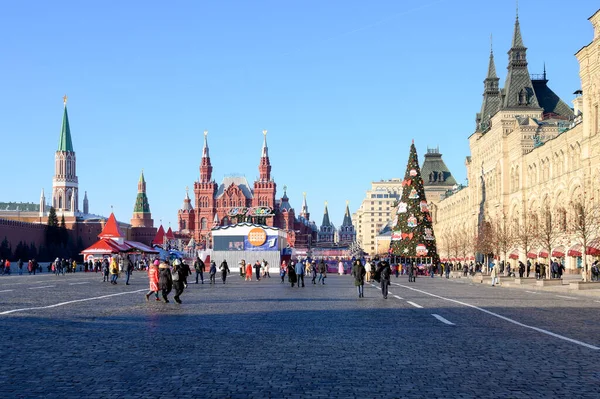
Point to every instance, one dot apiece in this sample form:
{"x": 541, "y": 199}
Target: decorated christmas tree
{"x": 412, "y": 235}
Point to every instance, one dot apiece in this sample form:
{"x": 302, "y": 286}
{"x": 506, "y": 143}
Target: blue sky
{"x": 341, "y": 86}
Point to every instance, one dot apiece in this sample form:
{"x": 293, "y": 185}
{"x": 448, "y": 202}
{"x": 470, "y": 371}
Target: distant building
{"x": 235, "y": 201}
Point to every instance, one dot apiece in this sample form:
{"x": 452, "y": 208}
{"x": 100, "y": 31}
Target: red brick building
{"x": 235, "y": 201}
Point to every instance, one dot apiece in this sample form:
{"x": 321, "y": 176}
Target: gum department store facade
{"x": 529, "y": 151}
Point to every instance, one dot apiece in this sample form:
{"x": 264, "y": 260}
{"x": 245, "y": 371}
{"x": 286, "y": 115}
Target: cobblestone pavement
{"x": 76, "y": 337}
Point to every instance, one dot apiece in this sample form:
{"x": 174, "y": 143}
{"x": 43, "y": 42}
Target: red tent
{"x": 543, "y": 253}
{"x": 514, "y": 254}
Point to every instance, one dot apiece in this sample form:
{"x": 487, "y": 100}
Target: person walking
{"x": 340, "y": 267}
{"x": 114, "y": 271}
{"x": 105, "y": 269}
{"x": 213, "y": 272}
{"x": 368, "y": 271}
{"x": 291, "y": 271}
{"x": 447, "y": 270}
{"x": 257, "y": 269}
{"x": 313, "y": 272}
{"x": 242, "y": 265}
{"x": 248, "y": 271}
{"x": 128, "y": 270}
{"x": 358, "y": 271}
{"x": 300, "y": 273}
{"x": 384, "y": 273}
{"x": 265, "y": 266}
{"x": 412, "y": 272}
{"x": 322, "y": 272}
{"x": 177, "y": 275}
{"x": 165, "y": 280}
{"x": 20, "y": 265}
{"x": 282, "y": 271}
{"x": 185, "y": 271}
{"x": 494, "y": 275}
{"x": 153, "y": 280}
{"x": 522, "y": 269}
{"x": 199, "y": 267}
{"x": 537, "y": 271}
{"x": 224, "y": 270}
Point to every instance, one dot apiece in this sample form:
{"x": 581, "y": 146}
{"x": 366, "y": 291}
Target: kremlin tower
{"x": 65, "y": 187}
{"x": 142, "y": 225}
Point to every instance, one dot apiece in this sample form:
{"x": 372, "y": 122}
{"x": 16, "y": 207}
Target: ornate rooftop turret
{"x": 491, "y": 97}
{"x": 518, "y": 89}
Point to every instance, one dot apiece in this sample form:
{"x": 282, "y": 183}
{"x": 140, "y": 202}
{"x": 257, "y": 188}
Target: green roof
{"x": 141, "y": 204}
{"x": 65, "y": 143}
{"x": 434, "y": 171}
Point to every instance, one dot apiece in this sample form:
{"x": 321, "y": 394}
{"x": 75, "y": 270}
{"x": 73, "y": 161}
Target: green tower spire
{"x": 65, "y": 143}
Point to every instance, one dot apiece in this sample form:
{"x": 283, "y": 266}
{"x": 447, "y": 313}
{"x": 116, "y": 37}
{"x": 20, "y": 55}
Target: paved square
{"x": 76, "y": 337}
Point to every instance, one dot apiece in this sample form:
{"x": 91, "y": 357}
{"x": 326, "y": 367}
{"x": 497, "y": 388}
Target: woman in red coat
{"x": 153, "y": 278}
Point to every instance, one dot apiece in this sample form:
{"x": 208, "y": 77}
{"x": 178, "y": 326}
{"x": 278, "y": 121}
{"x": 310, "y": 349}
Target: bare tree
{"x": 484, "y": 241}
{"x": 548, "y": 231}
{"x": 465, "y": 239}
{"x": 503, "y": 235}
{"x": 584, "y": 225}
{"x": 525, "y": 233}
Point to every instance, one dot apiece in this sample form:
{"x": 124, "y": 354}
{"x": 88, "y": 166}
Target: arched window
{"x": 203, "y": 224}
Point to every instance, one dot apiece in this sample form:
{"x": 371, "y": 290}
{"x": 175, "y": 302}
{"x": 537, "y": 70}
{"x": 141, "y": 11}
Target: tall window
{"x": 203, "y": 223}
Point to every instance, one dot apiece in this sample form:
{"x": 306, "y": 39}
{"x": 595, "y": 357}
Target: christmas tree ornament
{"x": 421, "y": 250}
{"x": 412, "y": 173}
{"x": 412, "y": 221}
{"x": 413, "y": 194}
{"x": 401, "y": 208}
{"x": 424, "y": 206}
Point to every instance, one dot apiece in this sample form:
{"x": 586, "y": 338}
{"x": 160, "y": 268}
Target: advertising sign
{"x": 269, "y": 244}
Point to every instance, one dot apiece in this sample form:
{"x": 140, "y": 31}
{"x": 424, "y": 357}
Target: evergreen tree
{"x": 63, "y": 234}
{"x": 5, "y": 249}
{"x": 412, "y": 236}
{"x": 52, "y": 219}
{"x": 52, "y": 232}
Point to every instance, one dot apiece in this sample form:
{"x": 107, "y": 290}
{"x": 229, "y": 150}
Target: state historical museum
{"x": 234, "y": 201}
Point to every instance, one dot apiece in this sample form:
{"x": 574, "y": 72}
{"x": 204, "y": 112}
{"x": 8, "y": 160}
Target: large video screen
{"x": 228, "y": 243}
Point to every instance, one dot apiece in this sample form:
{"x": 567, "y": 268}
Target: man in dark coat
{"x": 358, "y": 271}
{"x": 199, "y": 266}
{"x": 224, "y": 270}
{"x": 257, "y": 270}
{"x": 178, "y": 279}
{"x": 412, "y": 272}
{"x": 165, "y": 280}
{"x": 383, "y": 268}
{"x": 291, "y": 272}
{"x": 184, "y": 268}
{"x": 128, "y": 270}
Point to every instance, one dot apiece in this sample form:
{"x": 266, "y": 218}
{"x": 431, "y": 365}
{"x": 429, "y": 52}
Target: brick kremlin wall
{"x": 22, "y": 231}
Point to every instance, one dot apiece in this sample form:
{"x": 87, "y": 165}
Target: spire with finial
{"x": 205, "y": 148}
{"x": 326, "y": 221}
{"x": 265, "y": 165}
{"x": 518, "y": 89}
{"x": 65, "y": 143}
{"x": 347, "y": 218}
{"x": 304, "y": 211}
{"x": 265, "y": 149}
{"x": 142, "y": 183}
{"x": 205, "y": 165}
{"x": 86, "y": 204}
{"x": 491, "y": 95}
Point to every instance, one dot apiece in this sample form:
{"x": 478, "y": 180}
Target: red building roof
{"x": 160, "y": 236}
{"x": 105, "y": 247}
{"x": 170, "y": 235}
{"x": 111, "y": 228}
